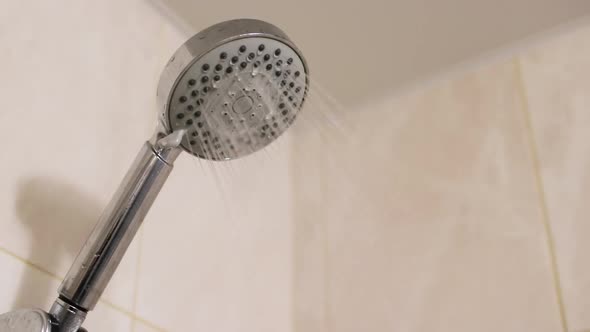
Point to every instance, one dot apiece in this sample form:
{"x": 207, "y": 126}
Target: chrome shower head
{"x": 234, "y": 87}
{"x": 227, "y": 92}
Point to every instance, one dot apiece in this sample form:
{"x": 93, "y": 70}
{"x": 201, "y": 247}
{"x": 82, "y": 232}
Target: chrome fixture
{"x": 230, "y": 90}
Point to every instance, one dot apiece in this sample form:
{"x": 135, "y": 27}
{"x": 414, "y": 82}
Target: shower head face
{"x": 234, "y": 87}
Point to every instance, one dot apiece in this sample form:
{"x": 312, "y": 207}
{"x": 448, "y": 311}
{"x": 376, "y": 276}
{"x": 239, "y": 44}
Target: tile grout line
{"x": 54, "y": 276}
{"x": 326, "y": 276}
{"x": 295, "y": 298}
{"x": 536, "y": 164}
{"x": 30, "y": 264}
{"x": 133, "y": 316}
{"x": 326, "y": 253}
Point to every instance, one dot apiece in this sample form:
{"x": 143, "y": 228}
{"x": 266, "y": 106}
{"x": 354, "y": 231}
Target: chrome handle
{"x": 104, "y": 249}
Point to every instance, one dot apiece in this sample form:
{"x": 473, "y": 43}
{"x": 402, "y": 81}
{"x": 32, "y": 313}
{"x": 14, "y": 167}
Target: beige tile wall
{"x": 556, "y": 78}
{"x": 458, "y": 207}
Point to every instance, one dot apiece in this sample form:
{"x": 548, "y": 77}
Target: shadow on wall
{"x": 59, "y": 218}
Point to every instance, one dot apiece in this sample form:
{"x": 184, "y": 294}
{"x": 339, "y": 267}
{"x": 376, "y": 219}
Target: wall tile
{"x": 24, "y": 286}
{"x": 556, "y": 76}
{"x": 429, "y": 217}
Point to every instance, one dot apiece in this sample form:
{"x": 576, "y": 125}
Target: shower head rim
{"x": 208, "y": 40}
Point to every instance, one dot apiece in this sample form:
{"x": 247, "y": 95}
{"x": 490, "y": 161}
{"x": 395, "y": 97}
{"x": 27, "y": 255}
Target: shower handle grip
{"x": 106, "y": 245}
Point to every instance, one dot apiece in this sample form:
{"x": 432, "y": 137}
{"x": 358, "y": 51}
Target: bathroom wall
{"x": 423, "y": 210}
{"x": 458, "y": 207}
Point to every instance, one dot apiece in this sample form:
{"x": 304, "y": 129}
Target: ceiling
{"x": 361, "y": 50}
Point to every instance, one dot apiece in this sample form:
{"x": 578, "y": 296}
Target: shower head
{"x": 229, "y": 91}
{"x": 234, "y": 88}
